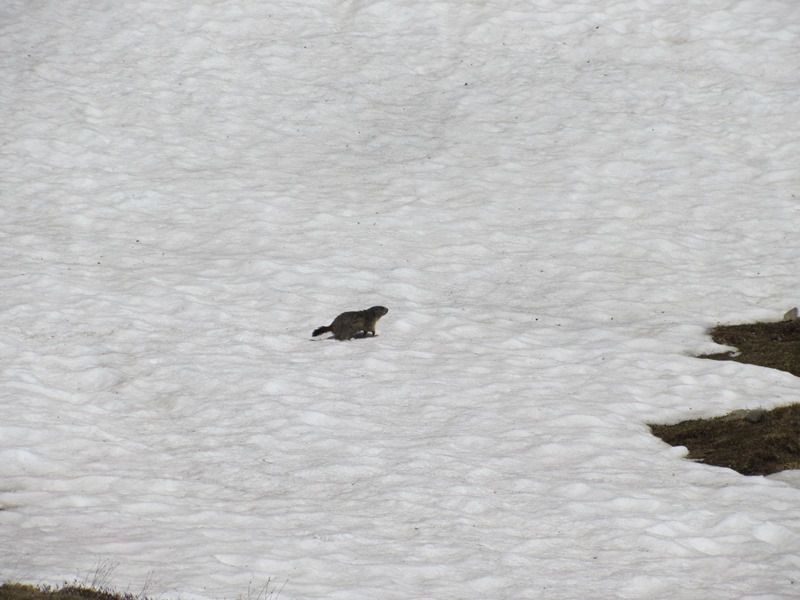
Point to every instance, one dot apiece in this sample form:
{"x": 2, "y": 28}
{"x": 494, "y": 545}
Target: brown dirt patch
{"x": 751, "y": 442}
{"x": 774, "y": 345}
{"x": 757, "y": 442}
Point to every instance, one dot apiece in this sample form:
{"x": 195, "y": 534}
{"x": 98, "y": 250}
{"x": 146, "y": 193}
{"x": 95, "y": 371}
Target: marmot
{"x": 350, "y": 324}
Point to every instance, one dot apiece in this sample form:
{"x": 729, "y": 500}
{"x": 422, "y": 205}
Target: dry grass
{"x": 18, "y": 591}
{"x": 93, "y": 591}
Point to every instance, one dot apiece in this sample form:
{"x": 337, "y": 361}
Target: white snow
{"x": 554, "y": 199}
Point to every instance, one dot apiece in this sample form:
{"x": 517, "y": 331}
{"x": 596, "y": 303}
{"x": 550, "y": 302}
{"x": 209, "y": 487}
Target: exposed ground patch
{"x": 757, "y": 442}
{"x": 16, "y": 591}
{"x": 774, "y": 345}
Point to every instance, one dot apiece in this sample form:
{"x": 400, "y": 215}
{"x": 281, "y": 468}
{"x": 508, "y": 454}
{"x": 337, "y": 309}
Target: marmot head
{"x": 378, "y": 310}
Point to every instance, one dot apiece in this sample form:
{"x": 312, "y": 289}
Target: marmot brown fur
{"x": 354, "y": 324}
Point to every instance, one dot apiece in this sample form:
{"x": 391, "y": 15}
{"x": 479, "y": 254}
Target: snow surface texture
{"x": 554, "y": 199}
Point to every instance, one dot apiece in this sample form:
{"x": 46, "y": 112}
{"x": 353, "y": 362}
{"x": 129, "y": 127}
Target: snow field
{"x": 554, "y": 200}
